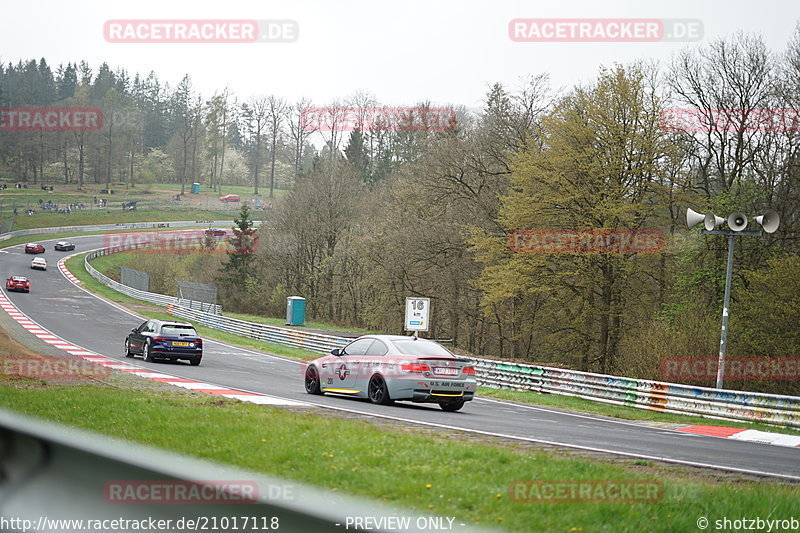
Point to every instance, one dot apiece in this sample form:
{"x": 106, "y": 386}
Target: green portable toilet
{"x": 295, "y": 311}
{"x": 195, "y": 188}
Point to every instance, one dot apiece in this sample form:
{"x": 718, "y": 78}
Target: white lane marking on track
{"x": 197, "y": 385}
{"x": 565, "y": 445}
{"x": 262, "y": 400}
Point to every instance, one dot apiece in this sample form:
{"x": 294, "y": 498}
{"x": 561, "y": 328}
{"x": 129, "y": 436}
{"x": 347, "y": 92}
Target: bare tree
{"x": 276, "y": 115}
{"x": 255, "y": 113}
{"x": 301, "y": 126}
{"x": 728, "y": 84}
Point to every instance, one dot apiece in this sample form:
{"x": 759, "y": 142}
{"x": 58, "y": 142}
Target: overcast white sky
{"x": 445, "y": 51}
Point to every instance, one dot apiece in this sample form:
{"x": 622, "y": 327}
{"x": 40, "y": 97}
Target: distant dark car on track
{"x": 34, "y": 248}
{"x": 385, "y": 368}
{"x": 216, "y": 232}
{"x": 18, "y": 283}
{"x": 230, "y": 198}
{"x": 158, "y": 339}
{"x": 64, "y": 246}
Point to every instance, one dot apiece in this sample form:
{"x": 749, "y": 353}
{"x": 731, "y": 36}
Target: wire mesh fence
{"x": 204, "y": 293}
{"x": 6, "y": 225}
{"x": 134, "y": 278}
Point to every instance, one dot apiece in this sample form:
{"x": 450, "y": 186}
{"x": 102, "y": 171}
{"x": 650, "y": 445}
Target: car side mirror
{"x": 134, "y": 330}
{"x": 336, "y": 351}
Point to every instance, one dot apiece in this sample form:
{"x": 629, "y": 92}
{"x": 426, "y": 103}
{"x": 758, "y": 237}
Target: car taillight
{"x": 199, "y": 342}
{"x": 417, "y": 368}
{"x": 468, "y": 370}
{"x": 160, "y": 339}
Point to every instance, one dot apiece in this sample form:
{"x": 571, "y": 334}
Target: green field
{"x": 155, "y": 203}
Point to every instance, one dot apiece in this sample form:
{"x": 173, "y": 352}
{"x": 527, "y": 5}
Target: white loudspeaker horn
{"x": 770, "y": 221}
{"x": 693, "y": 218}
{"x": 711, "y": 221}
{"x": 737, "y": 221}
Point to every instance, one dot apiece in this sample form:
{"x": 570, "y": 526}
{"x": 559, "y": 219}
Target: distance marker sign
{"x": 417, "y": 311}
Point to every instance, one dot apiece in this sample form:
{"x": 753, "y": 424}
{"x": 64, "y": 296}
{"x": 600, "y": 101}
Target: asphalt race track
{"x": 73, "y": 314}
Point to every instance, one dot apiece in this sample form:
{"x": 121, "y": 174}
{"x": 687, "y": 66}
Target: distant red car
{"x": 33, "y": 248}
{"x": 216, "y": 232}
{"x": 18, "y": 283}
{"x": 230, "y": 198}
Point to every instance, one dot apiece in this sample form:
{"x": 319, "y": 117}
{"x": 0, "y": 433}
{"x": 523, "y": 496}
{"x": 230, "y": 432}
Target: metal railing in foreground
{"x": 57, "y": 478}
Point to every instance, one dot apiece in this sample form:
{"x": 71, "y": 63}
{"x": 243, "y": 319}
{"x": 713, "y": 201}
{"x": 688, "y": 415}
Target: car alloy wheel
{"x": 146, "y": 355}
{"x": 312, "y": 381}
{"x": 377, "y": 391}
{"x": 128, "y": 352}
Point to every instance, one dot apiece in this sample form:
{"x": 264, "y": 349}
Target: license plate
{"x": 180, "y": 343}
{"x": 439, "y": 371}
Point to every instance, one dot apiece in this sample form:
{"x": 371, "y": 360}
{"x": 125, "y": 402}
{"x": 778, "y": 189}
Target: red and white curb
{"x": 63, "y": 268}
{"x": 123, "y": 366}
{"x": 750, "y": 435}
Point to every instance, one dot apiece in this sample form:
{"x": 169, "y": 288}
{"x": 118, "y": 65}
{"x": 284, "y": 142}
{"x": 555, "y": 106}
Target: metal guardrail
{"x": 60, "y": 479}
{"x": 641, "y": 393}
{"x": 152, "y": 297}
{"x": 658, "y": 396}
{"x": 289, "y": 337}
{"x": 104, "y": 227}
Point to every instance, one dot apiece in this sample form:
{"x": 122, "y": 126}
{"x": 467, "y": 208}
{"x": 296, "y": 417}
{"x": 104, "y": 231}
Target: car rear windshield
{"x": 420, "y": 347}
{"x": 175, "y": 329}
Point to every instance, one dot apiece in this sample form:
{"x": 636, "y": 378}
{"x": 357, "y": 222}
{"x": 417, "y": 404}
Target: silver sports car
{"x": 385, "y": 368}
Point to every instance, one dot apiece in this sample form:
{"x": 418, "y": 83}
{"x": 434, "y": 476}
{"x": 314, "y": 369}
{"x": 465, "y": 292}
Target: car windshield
{"x": 420, "y": 347}
{"x": 177, "y": 329}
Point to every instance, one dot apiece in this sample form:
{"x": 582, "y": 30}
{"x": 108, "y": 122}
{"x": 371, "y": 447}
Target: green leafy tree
{"x": 238, "y": 271}
{"x": 597, "y": 167}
